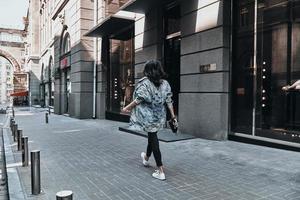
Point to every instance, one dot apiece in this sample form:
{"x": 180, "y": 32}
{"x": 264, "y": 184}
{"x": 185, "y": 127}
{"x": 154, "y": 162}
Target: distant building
{"x": 14, "y": 78}
{"x": 6, "y": 80}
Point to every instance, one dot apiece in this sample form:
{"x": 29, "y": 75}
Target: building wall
{"x": 101, "y": 86}
{"x": 205, "y": 39}
{"x": 204, "y": 95}
{"x": 33, "y": 51}
{"x": 148, "y": 39}
{"x": 78, "y": 18}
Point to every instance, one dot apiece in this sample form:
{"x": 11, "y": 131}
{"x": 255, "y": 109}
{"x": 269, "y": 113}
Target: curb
{"x": 14, "y": 186}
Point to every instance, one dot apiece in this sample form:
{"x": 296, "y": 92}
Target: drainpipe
{"x": 96, "y": 60}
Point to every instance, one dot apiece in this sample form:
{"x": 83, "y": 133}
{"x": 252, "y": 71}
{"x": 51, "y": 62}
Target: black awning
{"x": 143, "y": 6}
{"x": 112, "y": 27}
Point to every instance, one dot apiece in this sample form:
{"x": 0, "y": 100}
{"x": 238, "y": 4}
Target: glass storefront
{"x": 266, "y": 47}
{"x": 121, "y": 74}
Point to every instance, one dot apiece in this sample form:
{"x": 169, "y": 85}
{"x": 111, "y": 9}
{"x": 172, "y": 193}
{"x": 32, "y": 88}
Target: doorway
{"x": 67, "y": 90}
{"x": 172, "y": 50}
{"x": 120, "y": 74}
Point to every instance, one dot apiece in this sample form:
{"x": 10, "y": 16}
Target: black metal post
{"x": 64, "y": 195}
{"x": 11, "y": 121}
{"x": 12, "y": 127}
{"x": 35, "y": 172}
{"x": 47, "y": 118}
{"x": 13, "y": 112}
{"x": 15, "y": 132}
{"x": 19, "y": 137}
{"x": 24, "y": 151}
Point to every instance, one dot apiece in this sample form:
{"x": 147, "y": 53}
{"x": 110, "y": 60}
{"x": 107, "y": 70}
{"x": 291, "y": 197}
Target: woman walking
{"x": 148, "y": 111}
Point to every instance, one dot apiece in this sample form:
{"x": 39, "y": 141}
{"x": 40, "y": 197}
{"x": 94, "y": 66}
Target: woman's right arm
{"x": 169, "y": 101}
{"x": 130, "y": 106}
{"x": 171, "y": 109}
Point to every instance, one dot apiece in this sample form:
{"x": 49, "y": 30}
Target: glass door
{"x": 67, "y": 90}
{"x": 172, "y": 68}
{"x": 243, "y": 67}
{"x": 121, "y": 75}
{"x": 172, "y": 19}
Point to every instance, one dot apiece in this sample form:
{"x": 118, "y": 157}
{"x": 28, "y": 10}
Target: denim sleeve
{"x": 142, "y": 94}
{"x": 169, "y": 95}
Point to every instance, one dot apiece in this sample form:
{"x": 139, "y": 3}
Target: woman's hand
{"x": 286, "y": 88}
{"x": 126, "y": 110}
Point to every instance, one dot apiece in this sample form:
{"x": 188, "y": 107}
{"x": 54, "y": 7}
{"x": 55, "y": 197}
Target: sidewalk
{"x": 96, "y": 161}
{"x": 3, "y": 181}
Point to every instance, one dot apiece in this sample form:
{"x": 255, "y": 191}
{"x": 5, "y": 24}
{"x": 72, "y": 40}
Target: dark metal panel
{"x": 111, "y": 27}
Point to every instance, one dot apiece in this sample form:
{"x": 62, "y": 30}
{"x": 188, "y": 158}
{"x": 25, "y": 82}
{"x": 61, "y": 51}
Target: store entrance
{"x": 265, "y": 61}
{"x": 121, "y": 75}
{"x": 172, "y": 50}
{"x": 67, "y": 90}
{"x": 172, "y": 67}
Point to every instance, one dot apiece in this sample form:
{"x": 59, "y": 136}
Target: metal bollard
{"x": 35, "y": 172}
{"x": 19, "y": 137}
{"x": 46, "y": 116}
{"x": 15, "y": 132}
{"x": 12, "y": 127}
{"x": 24, "y": 151}
{"x": 64, "y": 195}
{"x": 13, "y": 112}
{"x": 11, "y": 121}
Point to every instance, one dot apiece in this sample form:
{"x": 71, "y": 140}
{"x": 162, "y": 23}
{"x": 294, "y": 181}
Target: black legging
{"x": 153, "y": 146}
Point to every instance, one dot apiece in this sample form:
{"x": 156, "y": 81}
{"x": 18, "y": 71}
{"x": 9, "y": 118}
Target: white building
{"x": 6, "y": 80}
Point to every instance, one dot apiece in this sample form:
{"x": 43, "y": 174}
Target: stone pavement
{"x": 3, "y": 185}
{"x": 96, "y": 161}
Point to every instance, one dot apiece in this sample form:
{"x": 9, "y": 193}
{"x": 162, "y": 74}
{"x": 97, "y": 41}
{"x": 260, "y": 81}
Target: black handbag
{"x": 173, "y": 125}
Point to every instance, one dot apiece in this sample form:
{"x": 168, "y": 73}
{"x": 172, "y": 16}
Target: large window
{"x": 66, "y": 45}
{"x": 266, "y": 58}
{"x": 52, "y": 81}
{"x": 121, "y": 74}
{"x": 65, "y": 66}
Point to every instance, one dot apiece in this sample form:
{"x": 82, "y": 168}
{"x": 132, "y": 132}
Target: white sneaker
{"x": 159, "y": 175}
{"x": 145, "y": 162}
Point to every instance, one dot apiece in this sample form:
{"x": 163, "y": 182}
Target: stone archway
{"x": 12, "y": 60}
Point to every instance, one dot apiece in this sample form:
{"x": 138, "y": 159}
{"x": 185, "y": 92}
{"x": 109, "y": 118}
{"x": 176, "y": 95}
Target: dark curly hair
{"x": 155, "y": 72}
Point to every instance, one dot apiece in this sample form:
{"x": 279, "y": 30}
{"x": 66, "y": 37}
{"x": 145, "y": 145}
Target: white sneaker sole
{"x": 143, "y": 158}
{"x": 159, "y": 178}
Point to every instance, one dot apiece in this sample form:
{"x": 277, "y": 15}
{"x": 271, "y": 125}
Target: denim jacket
{"x": 150, "y": 113}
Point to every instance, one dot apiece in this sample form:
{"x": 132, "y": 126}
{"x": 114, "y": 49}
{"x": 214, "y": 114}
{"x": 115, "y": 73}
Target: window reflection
{"x": 277, "y": 112}
{"x": 121, "y": 74}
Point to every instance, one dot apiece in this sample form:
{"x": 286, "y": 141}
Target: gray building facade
{"x": 229, "y": 62}
{"x": 226, "y": 76}
{"x": 191, "y": 39}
